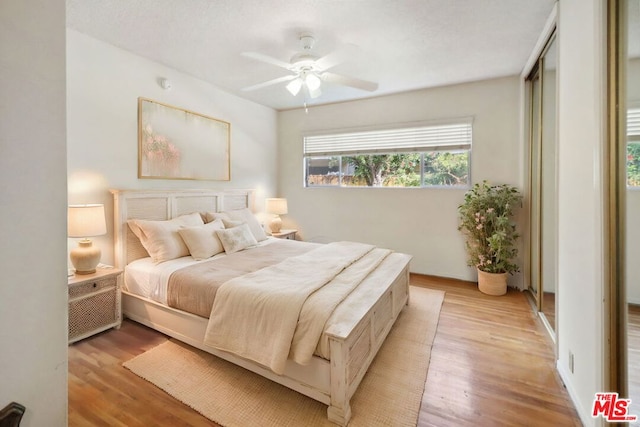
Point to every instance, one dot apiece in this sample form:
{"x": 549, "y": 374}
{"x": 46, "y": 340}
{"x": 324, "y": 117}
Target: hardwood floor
{"x": 492, "y": 364}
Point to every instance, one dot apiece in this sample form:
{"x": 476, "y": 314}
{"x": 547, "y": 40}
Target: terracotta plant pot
{"x": 492, "y": 283}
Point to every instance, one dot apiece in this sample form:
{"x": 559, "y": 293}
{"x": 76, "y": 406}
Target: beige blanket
{"x": 193, "y": 289}
{"x": 255, "y": 316}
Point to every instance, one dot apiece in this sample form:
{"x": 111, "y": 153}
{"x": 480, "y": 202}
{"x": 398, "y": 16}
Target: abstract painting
{"x": 174, "y": 143}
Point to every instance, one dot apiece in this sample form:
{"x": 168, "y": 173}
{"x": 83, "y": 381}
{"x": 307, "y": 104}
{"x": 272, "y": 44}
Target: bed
{"x": 352, "y": 335}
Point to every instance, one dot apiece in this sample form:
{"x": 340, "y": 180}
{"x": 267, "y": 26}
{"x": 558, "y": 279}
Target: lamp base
{"x": 276, "y": 224}
{"x": 85, "y": 257}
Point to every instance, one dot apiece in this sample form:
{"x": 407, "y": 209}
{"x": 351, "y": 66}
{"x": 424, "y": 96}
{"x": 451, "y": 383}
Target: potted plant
{"x": 491, "y": 236}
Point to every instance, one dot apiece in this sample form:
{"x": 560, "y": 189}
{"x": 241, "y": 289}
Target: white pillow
{"x": 212, "y": 216}
{"x": 244, "y": 215}
{"x": 222, "y": 216}
{"x": 237, "y": 238}
{"x": 202, "y": 240}
{"x": 230, "y": 224}
{"x": 161, "y": 238}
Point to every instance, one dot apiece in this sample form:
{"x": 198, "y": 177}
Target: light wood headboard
{"x": 163, "y": 205}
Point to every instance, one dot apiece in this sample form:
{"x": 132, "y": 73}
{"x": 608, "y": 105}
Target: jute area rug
{"x": 389, "y": 395}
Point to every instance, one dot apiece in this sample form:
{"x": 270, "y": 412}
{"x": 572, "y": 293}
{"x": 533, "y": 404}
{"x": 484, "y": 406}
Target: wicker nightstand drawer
{"x": 94, "y": 303}
{"x": 91, "y": 287}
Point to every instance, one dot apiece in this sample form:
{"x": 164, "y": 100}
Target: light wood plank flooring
{"x": 492, "y": 364}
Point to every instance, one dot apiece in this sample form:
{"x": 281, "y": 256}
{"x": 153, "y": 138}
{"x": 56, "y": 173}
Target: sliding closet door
{"x": 535, "y": 120}
{"x": 623, "y": 204}
{"x": 543, "y": 182}
{"x": 624, "y": 155}
{"x": 629, "y": 145}
{"x": 549, "y": 185}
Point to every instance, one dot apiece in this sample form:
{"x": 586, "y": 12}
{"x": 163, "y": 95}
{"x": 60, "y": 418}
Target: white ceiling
{"x": 402, "y": 45}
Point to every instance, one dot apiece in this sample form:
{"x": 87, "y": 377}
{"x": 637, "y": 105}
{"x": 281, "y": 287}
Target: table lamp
{"x": 85, "y": 221}
{"x": 276, "y": 207}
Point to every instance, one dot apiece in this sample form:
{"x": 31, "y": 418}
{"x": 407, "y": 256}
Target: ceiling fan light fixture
{"x": 312, "y": 81}
{"x": 307, "y": 72}
{"x": 314, "y": 93}
{"x": 294, "y": 86}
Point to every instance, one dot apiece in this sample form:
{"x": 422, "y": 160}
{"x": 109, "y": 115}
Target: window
{"x": 633, "y": 147}
{"x": 416, "y": 156}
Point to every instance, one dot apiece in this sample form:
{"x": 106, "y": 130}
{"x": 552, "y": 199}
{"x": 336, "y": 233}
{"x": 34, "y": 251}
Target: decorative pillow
{"x": 202, "y": 240}
{"x": 161, "y": 238}
{"x": 230, "y": 224}
{"x": 243, "y": 215}
{"x": 222, "y": 216}
{"x": 237, "y": 238}
{"x": 212, "y": 216}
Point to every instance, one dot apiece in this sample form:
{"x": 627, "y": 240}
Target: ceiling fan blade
{"x": 349, "y": 81}
{"x": 267, "y": 59}
{"x": 343, "y": 53}
{"x": 270, "y": 82}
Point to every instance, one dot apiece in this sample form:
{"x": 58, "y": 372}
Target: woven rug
{"x": 389, "y": 395}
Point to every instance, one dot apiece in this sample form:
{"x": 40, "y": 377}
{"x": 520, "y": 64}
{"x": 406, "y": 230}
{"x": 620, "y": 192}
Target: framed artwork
{"x": 174, "y": 143}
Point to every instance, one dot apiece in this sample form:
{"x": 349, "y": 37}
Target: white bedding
{"x": 256, "y": 315}
{"x": 150, "y": 280}
{"x": 145, "y": 278}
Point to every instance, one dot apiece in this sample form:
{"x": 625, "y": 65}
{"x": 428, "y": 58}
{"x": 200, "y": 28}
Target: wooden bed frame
{"x": 353, "y": 345}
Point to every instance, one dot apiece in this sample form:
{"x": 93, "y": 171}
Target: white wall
{"x": 421, "y": 222}
{"x": 33, "y": 289}
{"x": 103, "y": 86}
{"x": 581, "y": 114}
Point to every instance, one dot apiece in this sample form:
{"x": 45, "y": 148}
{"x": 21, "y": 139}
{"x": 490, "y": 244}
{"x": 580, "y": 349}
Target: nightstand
{"x": 94, "y": 303}
{"x": 285, "y": 234}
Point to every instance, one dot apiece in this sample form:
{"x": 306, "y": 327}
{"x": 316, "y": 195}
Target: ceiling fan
{"x": 309, "y": 71}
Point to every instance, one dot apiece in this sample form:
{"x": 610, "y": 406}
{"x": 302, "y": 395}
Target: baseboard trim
{"x": 585, "y": 416}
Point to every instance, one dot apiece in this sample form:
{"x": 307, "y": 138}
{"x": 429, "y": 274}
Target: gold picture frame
{"x": 174, "y": 143}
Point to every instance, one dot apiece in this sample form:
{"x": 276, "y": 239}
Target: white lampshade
{"x": 312, "y": 81}
{"x": 294, "y": 86}
{"x": 314, "y": 93}
{"x": 85, "y": 221}
{"x": 276, "y": 206}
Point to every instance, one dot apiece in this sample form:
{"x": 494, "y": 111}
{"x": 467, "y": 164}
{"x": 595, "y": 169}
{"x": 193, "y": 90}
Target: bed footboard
{"x": 354, "y": 346}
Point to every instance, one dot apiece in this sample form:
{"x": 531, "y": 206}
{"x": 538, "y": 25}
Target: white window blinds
{"x": 633, "y": 124}
{"x": 450, "y": 136}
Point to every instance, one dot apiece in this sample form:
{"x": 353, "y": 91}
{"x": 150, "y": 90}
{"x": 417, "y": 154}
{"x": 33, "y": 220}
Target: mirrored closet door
{"x": 630, "y": 146}
{"x": 541, "y": 84}
{"x": 624, "y": 200}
